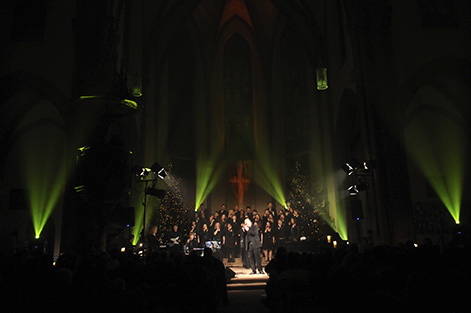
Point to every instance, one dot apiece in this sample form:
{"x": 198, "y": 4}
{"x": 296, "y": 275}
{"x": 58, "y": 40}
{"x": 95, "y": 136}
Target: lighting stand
{"x": 143, "y": 232}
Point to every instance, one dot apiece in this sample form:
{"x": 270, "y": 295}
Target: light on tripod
{"x": 159, "y": 169}
{"x": 353, "y": 190}
{"x": 351, "y": 166}
{"x": 144, "y": 172}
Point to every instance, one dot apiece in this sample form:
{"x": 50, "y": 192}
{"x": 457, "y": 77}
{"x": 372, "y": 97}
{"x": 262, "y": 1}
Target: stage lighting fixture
{"x": 347, "y": 168}
{"x": 353, "y": 190}
{"x": 351, "y": 166}
{"x": 159, "y": 193}
{"x": 80, "y": 188}
{"x": 144, "y": 171}
{"x": 321, "y": 75}
{"x": 159, "y": 169}
{"x": 369, "y": 165}
{"x": 137, "y": 92}
{"x": 130, "y": 103}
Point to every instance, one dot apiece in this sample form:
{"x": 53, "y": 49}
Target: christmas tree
{"x": 309, "y": 201}
{"x": 172, "y": 210}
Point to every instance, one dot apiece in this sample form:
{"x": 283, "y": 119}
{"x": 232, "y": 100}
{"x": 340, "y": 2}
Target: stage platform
{"x": 243, "y": 280}
{"x": 246, "y": 292}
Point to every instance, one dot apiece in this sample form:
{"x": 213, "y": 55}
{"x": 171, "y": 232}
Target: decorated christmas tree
{"x": 172, "y": 210}
{"x": 309, "y": 200}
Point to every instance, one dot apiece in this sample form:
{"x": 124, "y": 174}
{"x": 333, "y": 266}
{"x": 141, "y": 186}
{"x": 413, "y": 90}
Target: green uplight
{"x": 89, "y": 97}
{"x": 45, "y": 173}
{"x": 129, "y": 103}
{"x": 136, "y": 231}
{"x": 321, "y": 75}
{"x": 83, "y": 149}
{"x": 208, "y": 173}
{"x": 440, "y": 149}
{"x": 267, "y": 177}
{"x": 266, "y": 173}
{"x": 137, "y": 92}
{"x": 339, "y": 225}
{"x": 37, "y": 236}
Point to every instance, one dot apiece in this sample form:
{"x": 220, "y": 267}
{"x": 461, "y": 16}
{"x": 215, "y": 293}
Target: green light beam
{"x": 45, "y": 172}
{"x": 138, "y": 219}
{"x": 339, "y": 225}
{"x": 269, "y": 181}
{"x": 440, "y": 150}
{"x": 208, "y": 173}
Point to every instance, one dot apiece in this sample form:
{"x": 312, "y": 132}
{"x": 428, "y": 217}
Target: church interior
{"x": 354, "y": 112}
{"x": 237, "y": 96}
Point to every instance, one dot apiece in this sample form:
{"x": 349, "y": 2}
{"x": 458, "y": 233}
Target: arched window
{"x": 238, "y": 104}
{"x": 296, "y": 111}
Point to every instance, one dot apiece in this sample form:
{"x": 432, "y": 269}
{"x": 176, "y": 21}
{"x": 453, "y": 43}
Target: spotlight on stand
{"x": 353, "y": 190}
{"x": 144, "y": 172}
{"x": 347, "y": 168}
{"x": 351, "y": 166}
{"x": 159, "y": 169}
{"x": 140, "y": 172}
{"x": 369, "y": 165}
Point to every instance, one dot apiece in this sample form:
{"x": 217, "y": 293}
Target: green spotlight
{"x": 321, "y": 75}
{"x": 129, "y": 103}
{"x": 137, "y": 92}
{"x": 208, "y": 174}
{"x": 339, "y": 225}
{"x": 37, "y": 236}
{"x": 136, "y": 231}
{"x": 267, "y": 177}
{"x": 45, "y": 170}
{"x": 89, "y": 97}
{"x": 440, "y": 149}
{"x": 83, "y": 149}
{"x": 159, "y": 169}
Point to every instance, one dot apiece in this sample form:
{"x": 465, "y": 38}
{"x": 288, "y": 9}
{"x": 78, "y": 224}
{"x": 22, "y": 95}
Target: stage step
{"x": 247, "y": 286}
{"x": 238, "y": 262}
{"x": 243, "y": 280}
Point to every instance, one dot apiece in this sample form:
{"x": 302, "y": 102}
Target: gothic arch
{"x": 453, "y": 68}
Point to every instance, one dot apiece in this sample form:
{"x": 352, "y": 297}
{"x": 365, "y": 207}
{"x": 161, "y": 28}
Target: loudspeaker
{"x": 356, "y": 209}
{"x": 229, "y": 273}
{"x": 19, "y": 199}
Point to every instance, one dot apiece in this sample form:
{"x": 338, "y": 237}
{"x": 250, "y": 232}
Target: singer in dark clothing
{"x": 255, "y": 245}
{"x": 244, "y": 248}
{"x": 230, "y": 242}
